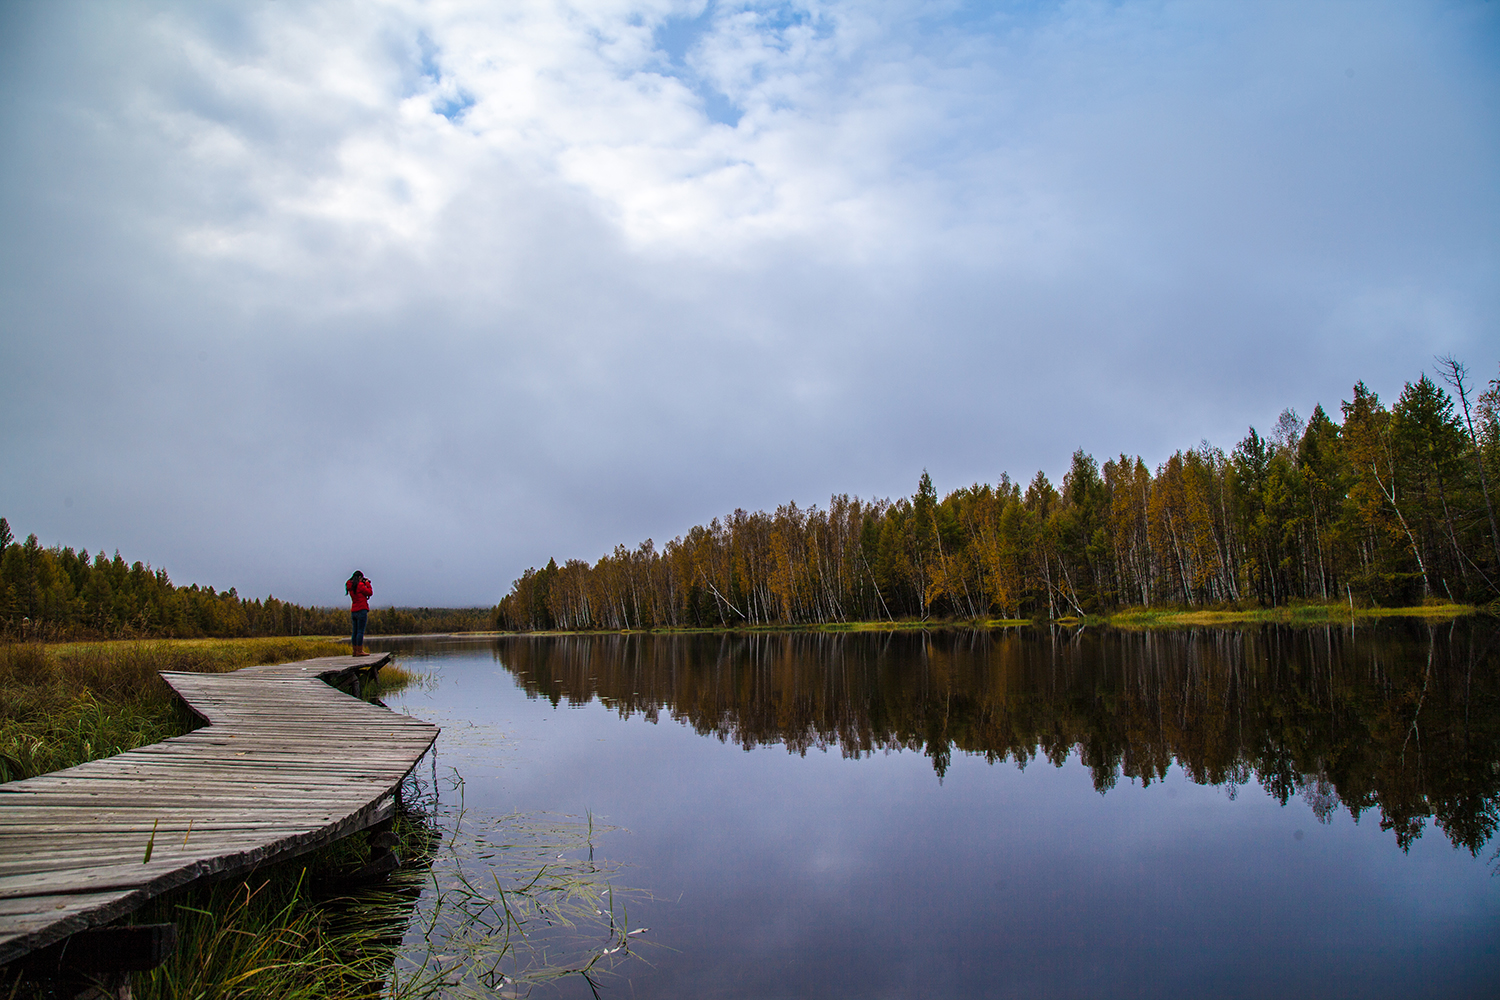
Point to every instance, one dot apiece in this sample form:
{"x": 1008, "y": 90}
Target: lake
{"x": 1039, "y": 812}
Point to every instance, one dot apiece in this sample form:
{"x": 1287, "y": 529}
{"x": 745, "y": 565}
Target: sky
{"x": 440, "y": 290}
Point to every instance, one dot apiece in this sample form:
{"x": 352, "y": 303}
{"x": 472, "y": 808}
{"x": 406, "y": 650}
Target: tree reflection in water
{"x": 1403, "y": 717}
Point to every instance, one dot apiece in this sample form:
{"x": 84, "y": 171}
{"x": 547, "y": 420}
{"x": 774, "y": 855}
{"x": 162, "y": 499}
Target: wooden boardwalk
{"x": 286, "y": 764}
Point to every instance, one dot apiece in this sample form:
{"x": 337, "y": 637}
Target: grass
{"x": 296, "y": 929}
{"x": 514, "y": 902}
{"x": 394, "y": 677}
{"x": 259, "y": 937}
{"x": 62, "y": 705}
{"x": 1296, "y": 614}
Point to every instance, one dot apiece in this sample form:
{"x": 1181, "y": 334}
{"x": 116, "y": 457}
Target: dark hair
{"x": 356, "y": 577}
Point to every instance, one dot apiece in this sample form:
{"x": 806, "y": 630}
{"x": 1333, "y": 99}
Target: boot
{"x": 359, "y": 651}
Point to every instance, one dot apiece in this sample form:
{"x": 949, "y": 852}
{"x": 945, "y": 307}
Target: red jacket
{"x": 360, "y": 593}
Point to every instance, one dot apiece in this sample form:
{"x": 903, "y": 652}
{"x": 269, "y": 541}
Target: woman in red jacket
{"x": 359, "y": 590}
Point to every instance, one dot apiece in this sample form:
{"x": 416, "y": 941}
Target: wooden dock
{"x": 286, "y": 764}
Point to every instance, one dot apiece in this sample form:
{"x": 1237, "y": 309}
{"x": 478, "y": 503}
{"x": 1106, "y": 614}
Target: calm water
{"x": 1237, "y": 813}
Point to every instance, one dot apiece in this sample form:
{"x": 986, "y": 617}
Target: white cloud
{"x": 534, "y": 278}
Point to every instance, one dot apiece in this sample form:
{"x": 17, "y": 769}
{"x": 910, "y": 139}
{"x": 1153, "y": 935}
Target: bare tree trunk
{"x": 1453, "y": 373}
{"x": 1390, "y": 494}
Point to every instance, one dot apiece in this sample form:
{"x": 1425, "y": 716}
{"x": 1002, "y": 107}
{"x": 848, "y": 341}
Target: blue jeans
{"x": 359, "y": 618}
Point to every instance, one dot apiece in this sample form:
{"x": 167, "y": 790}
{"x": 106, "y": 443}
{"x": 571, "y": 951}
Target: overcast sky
{"x": 441, "y": 289}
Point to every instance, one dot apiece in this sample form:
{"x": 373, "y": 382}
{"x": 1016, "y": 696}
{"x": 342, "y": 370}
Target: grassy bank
{"x": 1297, "y": 614}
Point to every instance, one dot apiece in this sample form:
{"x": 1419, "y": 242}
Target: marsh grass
{"x": 394, "y": 677}
{"x": 1309, "y": 613}
{"x": 512, "y": 902}
{"x": 62, "y": 705}
{"x": 259, "y": 937}
{"x": 297, "y": 929}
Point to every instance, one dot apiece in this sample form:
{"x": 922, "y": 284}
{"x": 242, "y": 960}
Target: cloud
{"x": 293, "y": 286}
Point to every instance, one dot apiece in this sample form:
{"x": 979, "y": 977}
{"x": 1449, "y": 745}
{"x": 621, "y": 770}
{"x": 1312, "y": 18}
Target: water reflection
{"x": 1403, "y": 718}
{"x": 899, "y": 864}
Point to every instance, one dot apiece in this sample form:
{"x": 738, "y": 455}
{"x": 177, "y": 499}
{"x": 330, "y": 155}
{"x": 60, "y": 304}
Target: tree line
{"x": 54, "y": 593}
{"x": 1387, "y": 506}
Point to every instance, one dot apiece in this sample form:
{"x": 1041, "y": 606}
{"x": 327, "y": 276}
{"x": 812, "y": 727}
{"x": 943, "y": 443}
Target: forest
{"x": 1386, "y": 506}
{"x": 53, "y": 593}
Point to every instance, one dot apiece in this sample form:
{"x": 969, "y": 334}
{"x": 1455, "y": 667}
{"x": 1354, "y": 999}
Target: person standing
{"x": 359, "y": 590}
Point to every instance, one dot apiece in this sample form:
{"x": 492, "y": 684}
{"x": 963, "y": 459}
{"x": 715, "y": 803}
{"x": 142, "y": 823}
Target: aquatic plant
{"x": 511, "y": 902}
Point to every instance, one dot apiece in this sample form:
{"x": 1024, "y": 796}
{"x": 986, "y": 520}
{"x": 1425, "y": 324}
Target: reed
{"x": 1301, "y": 613}
{"x": 297, "y": 929}
{"x": 393, "y": 677}
{"x": 512, "y": 902}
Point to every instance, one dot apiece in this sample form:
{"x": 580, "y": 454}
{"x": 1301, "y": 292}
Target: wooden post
{"x": 98, "y": 963}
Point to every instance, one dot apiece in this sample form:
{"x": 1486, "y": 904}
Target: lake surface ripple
{"x": 1247, "y": 812}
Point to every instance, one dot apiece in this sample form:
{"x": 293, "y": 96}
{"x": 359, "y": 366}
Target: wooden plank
{"x": 256, "y": 783}
{"x": 214, "y": 763}
{"x": 100, "y": 846}
{"x": 298, "y": 756}
{"x": 171, "y": 872}
{"x": 286, "y": 764}
{"x": 49, "y": 904}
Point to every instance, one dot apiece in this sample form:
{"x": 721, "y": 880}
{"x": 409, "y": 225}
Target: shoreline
{"x": 1131, "y": 618}
{"x": 1135, "y": 618}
